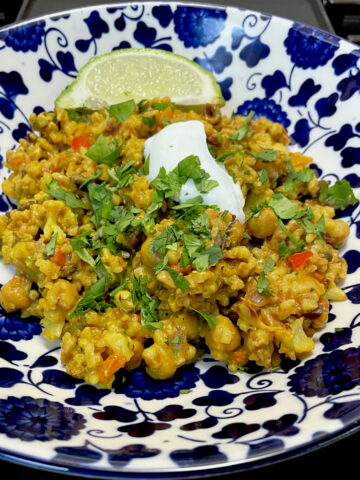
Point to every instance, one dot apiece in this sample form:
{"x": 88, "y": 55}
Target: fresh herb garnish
{"x": 263, "y": 175}
{"x": 103, "y": 152}
{"x": 122, "y": 111}
{"x": 51, "y": 245}
{"x": 340, "y": 195}
{"x": 69, "y": 198}
{"x": 241, "y": 133}
{"x": 170, "y": 183}
{"x": 282, "y": 206}
{"x": 145, "y": 303}
{"x": 164, "y": 105}
{"x": 80, "y": 245}
{"x": 77, "y": 116}
{"x": 91, "y": 299}
{"x": 263, "y": 282}
{"x": 264, "y": 155}
{"x": 178, "y": 278}
{"x": 211, "y": 319}
{"x": 293, "y": 178}
{"x": 149, "y": 121}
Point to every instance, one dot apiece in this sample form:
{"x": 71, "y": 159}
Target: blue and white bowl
{"x": 205, "y": 420}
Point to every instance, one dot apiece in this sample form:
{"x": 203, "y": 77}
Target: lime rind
{"x": 140, "y": 74}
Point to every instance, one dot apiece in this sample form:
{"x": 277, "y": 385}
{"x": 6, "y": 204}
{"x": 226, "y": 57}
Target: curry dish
{"x": 123, "y": 275}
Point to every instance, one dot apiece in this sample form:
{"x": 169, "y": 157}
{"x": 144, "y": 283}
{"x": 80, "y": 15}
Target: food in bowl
{"x": 130, "y": 258}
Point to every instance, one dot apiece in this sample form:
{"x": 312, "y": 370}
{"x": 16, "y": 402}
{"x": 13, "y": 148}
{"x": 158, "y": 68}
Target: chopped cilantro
{"x": 241, "y": 133}
{"x": 143, "y": 301}
{"x": 149, "y": 121}
{"x": 178, "y": 278}
{"x": 226, "y": 156}
{"x": 211, "y": 319}
{"x": 170, "y": 183}
{"x": 122, "y": 111}
{"x": 124, "y": 175}
{"x": 51, "y": 245}
{"x": 169, "y": 235}
{"x": 282, "y": 206}
{"x": 80, "y": 244}
{"x": 76, "y": 116}
{"x": 339, "y": 195}
{"x": 103, "y": 152}
{"x": 163, "y": 105}
{"x": 265, "y": 155}
{"x": 69, "y": 198}
{"x": 144, "y": 169}
{"x": 293, "y": 178}
{"x": 161, "y": 265}
{"x": 176, "y": 340}
{"x": 317, "y": 229}
{"x": 90, "y": 299}
{"x": 283, "y": 250}
{"x": 191, "y": 202}
{"x": 263, "y": 282}
{"x": 263, "y": 175}
{"x": 91, "y": 179}
{"x": 100, "y": 199}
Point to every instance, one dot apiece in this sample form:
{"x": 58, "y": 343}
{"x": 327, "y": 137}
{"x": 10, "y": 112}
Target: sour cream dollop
{"x": 181, "y": 139}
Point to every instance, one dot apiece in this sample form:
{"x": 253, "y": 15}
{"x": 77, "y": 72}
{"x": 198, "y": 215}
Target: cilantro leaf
{"x": 269, "y": 265}
{"x": 226, "y": 155}
{"x": 80, "y": 244}
{"x": 90, "y": 299}
{"x": 122, "y": 111}
{"x": 103, "y": 152}
{"x": 340, "y": 195}
{"x": 293, "y": 178}
{"x": 124, "y": 175}
{"x": 282, "y": 206}
{"x": 191, "y": 202}
{"x": 51, "y": 245}
{"x": 210, "y": 318}
{"x": 69, "y": 198}
{"x": 238, "y": 135}
{"x": 168, "y": 236}
{"x": 76, "y": 116}
{"x": 100, "y": 199}
{"x": 263, "y": 175}
{"x": 265, "y": 155}
{"x": 263, "y": 282}
{"x": 145, "y": 168}
{"x": 149, "y": 121}
{"x": 164, "y": 105}
{"x": 178, "y": 278}
{"x": 283, "y": 250}
{"x": 143, "y": 301}
{"x": 161, "y": 265}
{"x": 317, "y": 229}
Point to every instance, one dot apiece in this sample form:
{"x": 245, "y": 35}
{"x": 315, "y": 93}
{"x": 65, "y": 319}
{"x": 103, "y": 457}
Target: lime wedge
{"x": 140, "y": 74}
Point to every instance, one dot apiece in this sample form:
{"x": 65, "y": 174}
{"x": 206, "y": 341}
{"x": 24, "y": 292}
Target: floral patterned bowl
{"x": 205, "y": 420}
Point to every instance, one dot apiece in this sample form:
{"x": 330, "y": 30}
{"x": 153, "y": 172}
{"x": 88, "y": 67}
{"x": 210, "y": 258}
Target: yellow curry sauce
{"x": 122, "y": 277}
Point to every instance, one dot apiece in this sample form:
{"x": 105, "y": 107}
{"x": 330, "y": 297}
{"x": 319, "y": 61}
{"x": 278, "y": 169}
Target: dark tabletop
{"x": 327, "y": 460}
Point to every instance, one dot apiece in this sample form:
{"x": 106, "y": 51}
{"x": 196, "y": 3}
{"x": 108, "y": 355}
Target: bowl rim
{"x": 196, "y": 4}
{"x": 203, "y": 470}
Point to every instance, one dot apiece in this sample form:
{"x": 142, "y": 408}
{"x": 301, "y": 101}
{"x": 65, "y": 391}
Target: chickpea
{"x": 14, "y": 294}
{"x": 263, "y": 225}
{"x": 337, "y": 232}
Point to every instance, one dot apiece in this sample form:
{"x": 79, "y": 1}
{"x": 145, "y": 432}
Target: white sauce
{"x": 181, "y": 139}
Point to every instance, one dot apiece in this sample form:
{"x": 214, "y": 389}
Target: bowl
{"x": 206, "y": 420}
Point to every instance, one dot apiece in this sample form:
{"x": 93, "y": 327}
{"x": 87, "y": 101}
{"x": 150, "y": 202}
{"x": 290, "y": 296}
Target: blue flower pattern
{"x": 24, "y": 38}
{"x": 199, "y": 401}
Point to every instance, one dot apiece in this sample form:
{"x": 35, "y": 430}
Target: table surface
{"x": 342, "y": 452}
